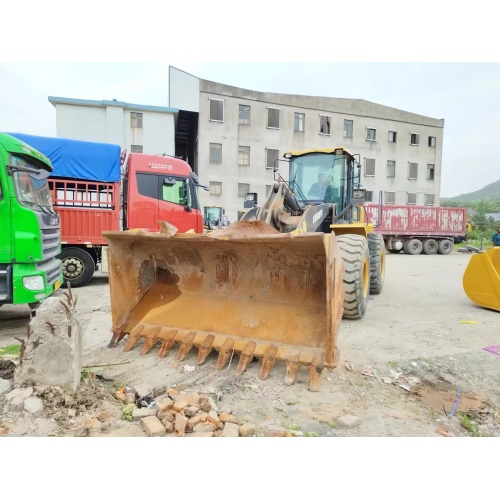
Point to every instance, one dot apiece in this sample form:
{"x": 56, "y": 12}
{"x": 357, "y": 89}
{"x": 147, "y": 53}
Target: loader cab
{"x": 323, "y": 176}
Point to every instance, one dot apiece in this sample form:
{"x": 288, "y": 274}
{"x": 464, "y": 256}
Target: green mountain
{"x": 488, "y": 192}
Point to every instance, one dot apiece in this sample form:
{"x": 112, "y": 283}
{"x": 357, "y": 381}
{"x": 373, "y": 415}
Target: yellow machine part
{"x": 247, "y": 289}
{"x": 481, "y": 280}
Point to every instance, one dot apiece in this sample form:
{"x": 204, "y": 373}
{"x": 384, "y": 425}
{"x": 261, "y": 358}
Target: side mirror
{"x": 169, "y": 181}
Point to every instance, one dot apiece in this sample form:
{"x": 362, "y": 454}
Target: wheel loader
{"x": 273, "y": 286}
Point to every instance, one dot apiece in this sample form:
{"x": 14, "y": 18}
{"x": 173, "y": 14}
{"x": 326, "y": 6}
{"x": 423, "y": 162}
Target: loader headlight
{"x": 33, "y": 283}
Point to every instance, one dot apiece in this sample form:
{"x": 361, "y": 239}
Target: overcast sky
{"x": 466, "y": 95}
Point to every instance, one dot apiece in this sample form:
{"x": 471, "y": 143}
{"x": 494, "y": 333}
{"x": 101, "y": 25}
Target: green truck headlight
{"x": 33, "y": 283}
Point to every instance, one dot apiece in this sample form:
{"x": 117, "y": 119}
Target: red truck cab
{"x": 160, "y": 188}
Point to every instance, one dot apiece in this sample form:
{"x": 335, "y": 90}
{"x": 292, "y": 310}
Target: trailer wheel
{"x": 445, "y": 247}
{"x": 356, "y": 258}
{"x": 405, "y": 246}
{"x": 414, "y": 247}
{"x": 77, "y": 265}
{"x": 430, "y": 247}
{"x": 377, "y": 262}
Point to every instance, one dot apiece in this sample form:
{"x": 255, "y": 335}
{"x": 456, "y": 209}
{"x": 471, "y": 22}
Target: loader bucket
{"x": 481, "y": 280}
{"x": 247, "y": 290}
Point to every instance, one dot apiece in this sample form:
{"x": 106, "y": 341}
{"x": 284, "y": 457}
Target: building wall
{"x": 98, "y": 122}
{"x": 258, "y": 137}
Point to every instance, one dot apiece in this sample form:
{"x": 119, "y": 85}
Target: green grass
{"x": 433, "y": 414}
{"x": 333, "y": 425}
{"x": 310, "y": 434}
{"x": 11, "y": 350}
{"x": 470, "y": 427}
{"x": 394, "y": 364}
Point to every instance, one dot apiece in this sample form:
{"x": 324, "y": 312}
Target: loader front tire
{"x": 377, "y": 262}
{"x": 356, "y": 258}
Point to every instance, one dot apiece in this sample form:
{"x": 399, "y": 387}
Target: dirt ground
{"x": 400, "y": 367}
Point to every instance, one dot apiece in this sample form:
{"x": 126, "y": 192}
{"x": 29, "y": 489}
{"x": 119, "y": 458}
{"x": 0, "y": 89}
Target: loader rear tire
{"x": 356, "y": 258}
{"x": 377, "y": 262}
{"x": 445, "y": 247}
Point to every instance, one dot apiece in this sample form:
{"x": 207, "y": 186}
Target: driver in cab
{"x": 318, "y": 189}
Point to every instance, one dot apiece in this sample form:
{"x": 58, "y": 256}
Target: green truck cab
{"x": 30, "y": 232}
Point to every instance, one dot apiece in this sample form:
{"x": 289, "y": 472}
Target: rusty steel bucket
{"x": 246, "y": 289}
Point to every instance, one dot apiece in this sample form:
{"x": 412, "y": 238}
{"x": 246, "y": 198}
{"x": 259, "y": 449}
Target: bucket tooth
{"x": 245, "y": 357}
{"x": 167, "y": 344}
{"x": 224, "y": 354}
{"x": 133, "y": 338}
{"x": 315, "y": 371}
{"x": 115, "y": 339}
{"x": 186, "y": 346}
{"x": 292, "y": 367}
{"x": 205, "y": 349}
{"x": 148, "y": 345}
{"x": 268, "y": 361}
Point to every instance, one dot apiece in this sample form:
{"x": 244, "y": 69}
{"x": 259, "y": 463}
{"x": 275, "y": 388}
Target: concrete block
{"x": 164, "y": 403}
{"x": 53, "y": 351}
{"x": 169, "y": 415}
{"x": 230, "y": 430}
{"x": 180, "y": 423}
{"x": 191, "y": 411}
{"x": 33, "y": 404}
{"x": 226, "y": 417}
{"x": 153, "y": 427}
{"x": 22, "y": 393}
{"x": 143, "y": 412}
{"x": 349, "y": 421}
{"x": 5, "y": 386}
{"x": 204, "y": 427}
{"x": 247, "y": 429}
{"x": 192, "y": 422}
{"x": 169, "y": 426}
{"x": 180, "y": 405}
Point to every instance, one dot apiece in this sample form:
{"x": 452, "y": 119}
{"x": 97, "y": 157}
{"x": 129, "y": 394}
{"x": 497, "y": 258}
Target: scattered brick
{"x": 191, "y": 411}
{"x": 204, "y": 427}
{"x": 180, "y": 423}
{"x": 247, "y": 429}
{"x": 230, "y": 430}
{"x": 153, "y": 427}
{"x": 143, "y": 412}
{"x": 226, "y": 417}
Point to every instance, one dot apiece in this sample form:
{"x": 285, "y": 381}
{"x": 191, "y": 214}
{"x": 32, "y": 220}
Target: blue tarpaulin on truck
{"x": 90, "y": 161}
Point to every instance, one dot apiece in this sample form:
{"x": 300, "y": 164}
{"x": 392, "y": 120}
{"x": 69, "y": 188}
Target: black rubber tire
{"x": 393, "y": 250}
{"x": 405, "y": 246}
{"x": 445, "y": 247}
{"x": 430, "y": 246}
{"x": 413, "y": 247}
{"x": 377, "y": 262}
{"x": 356, "y": 258}
{"x": 78, "y": 267}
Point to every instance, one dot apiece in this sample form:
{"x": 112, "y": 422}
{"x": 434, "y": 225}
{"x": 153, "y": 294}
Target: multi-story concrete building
{"x": 231, "y": 137}
{"x": 135, "y": 127}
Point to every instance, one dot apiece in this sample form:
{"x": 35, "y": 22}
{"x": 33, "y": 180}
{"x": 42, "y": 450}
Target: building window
{"x": 369, "y": 167}
{"x": 432, "y": 142}
{"x": 368, "y": 195}
{"x": 244, "y": 118}
{"x": 268, "y": 189}
{"x": 393, "y": 136}
{"x": 273, "y": 118}
{"x": 271, "y": 156}
{"x": 429, "y": 199}
{"x": 135, "y": 148}
{"x": 348, "y": 129}
{"x": 298, "y": 123}
{"x": 243, "y": 156}
{"x": 390, "y": 197}
{"x": 391, "y": 168}
{"x": 243, "y": 190}
{"x": 411, "y": 198}
{"x": 324, "y": 124}
{"x": 430, "y": 172}
{"x": 371, "y": 134}
{"x": 413, "y": 171}
{"x": 136, "y": 120}
{"x": 215, "y": 188}
{"x": 216, "y": 110}
{"x": 215, "y": 153}
{"x": 414, "y": 139}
